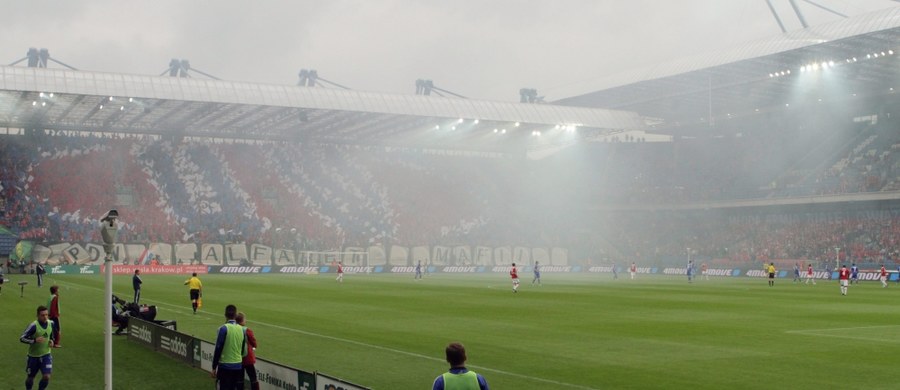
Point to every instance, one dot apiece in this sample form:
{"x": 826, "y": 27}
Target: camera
{"x": 110, "y": 216}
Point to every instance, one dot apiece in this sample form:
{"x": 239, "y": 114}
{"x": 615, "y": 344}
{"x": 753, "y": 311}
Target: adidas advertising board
{"x": 143, "y": 332}
{"x": 176, "y": 344}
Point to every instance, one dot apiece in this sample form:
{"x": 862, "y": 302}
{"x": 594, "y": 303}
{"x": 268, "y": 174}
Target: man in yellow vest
{"x": 39, "y": 337}
{"x": 459, "y": 377}
{"x": 196, "y": 290}
{"x": 231, "y": 347}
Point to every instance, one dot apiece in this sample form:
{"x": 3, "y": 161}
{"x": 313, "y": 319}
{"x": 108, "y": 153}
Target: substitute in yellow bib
{"x": 231, "y": 347}
{"x": 459, "y": 377}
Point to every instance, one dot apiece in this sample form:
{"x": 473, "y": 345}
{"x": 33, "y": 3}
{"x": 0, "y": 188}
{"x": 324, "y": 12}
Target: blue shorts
{"x": 44, "y": 364}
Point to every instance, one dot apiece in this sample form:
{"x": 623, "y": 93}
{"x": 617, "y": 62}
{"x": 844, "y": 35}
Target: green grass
{"x": 575, "y": 332}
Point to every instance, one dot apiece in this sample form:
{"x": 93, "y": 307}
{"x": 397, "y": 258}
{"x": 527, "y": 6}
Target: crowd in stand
{"x": 321, "y": 197}
{"x": 871, "y": 236}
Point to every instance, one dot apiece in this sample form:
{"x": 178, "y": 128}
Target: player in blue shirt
{"x": 854, "y": 274}
{"x": 690, "y": 271}
{"x": 419, "y": 270}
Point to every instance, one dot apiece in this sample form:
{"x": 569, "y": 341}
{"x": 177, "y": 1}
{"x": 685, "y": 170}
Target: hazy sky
{"x": 485, "y": 49}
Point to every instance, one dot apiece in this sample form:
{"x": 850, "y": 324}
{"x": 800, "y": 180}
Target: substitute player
{"x": 515, "y": 277}
{"x": 39, "y": 336}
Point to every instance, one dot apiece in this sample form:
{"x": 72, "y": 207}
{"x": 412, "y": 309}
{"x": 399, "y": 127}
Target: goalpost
{"x": 318, "y": 258}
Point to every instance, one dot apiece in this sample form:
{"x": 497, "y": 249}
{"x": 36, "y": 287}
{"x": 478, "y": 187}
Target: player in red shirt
{"x": 53, "y": 304}
{"x": 809, "y": 275}
{"x": 844, "y": 276}
{"x": 515, "y": 277}
{"x": 340, "y": 277}
{"x": 883, "y": 277}
{"x": 633, "y": 270}
{"x": 249, "y": 361}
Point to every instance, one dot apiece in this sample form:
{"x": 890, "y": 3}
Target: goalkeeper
{"x": 196, "y": 290}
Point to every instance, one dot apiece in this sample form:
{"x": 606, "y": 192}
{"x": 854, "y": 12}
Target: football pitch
{"x": 583, "y": 331}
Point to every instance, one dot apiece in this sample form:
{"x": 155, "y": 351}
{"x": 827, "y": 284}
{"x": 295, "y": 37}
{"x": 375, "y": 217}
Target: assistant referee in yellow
{"x": 196, "y": 289}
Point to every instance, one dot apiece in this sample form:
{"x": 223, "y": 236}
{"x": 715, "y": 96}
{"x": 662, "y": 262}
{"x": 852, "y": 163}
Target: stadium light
{"x": 503, "y": 131}
{"x": 476, "y": 121}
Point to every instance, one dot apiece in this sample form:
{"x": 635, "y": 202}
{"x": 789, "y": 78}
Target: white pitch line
{"x": 833, "y": 329}
{"x": 379, "y": 347}
{"x": 827, "y": 333}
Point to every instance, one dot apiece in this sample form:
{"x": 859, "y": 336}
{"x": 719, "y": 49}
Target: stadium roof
{"x": 106, "y": 102}
{"x": 746, "y": 78}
